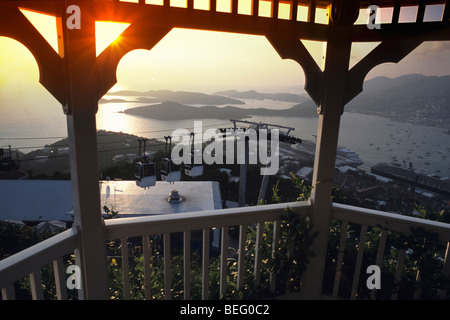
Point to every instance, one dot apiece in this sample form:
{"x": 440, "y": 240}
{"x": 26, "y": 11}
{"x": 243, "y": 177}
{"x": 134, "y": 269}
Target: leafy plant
{"x": 293, "y": 253}
{"x": 110, "y": 212}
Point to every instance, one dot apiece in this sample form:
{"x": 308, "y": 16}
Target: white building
{"x": 131, "y": 201}
{"x": 51, "y": 200}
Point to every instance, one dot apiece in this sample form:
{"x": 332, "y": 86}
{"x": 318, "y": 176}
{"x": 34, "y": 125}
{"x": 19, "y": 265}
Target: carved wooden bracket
{"x": 48, "y": 61}
{"x": 136, "y": 36}
{"x": 391, "y": 50}
{"x": 292, "y": 48}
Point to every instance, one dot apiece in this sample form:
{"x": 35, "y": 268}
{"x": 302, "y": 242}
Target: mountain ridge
{"x": 411, "y": 98}
{"x": 253, "y": 94}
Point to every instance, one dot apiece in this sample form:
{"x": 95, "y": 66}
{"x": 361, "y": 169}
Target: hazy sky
{"x": 200, "y": 61}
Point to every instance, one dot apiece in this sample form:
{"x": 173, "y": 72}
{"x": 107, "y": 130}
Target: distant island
{"x": 185, "y": 97}
{"x": 170, "y": 110}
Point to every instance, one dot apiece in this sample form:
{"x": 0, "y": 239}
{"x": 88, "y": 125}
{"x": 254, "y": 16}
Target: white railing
{"x": 385, "y": 224}
{"x": 345, "y": 265}
{"x": 360, "y": 219}
{"x": 30, "y": 261}
{"x": 204, "y": 221}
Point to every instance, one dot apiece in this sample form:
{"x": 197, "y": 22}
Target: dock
{"x": 430, "y": 183}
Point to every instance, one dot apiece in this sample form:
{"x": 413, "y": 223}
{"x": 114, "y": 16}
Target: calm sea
{"x": 375, "y": 139}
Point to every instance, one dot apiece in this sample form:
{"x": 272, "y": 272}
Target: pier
{"x": 419, "y": 180}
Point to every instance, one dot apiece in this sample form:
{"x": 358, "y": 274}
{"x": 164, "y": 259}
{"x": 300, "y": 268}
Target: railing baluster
{"x": 60, "y": 283}
{"x": 259, "y": 235}
{"x": 187, "y": 264}
{"x": 398, "y": 273}
{"x": 380, "y": 256}
{"x": 445, "y": 270}
{"x": 275, "y": 240}
{"x": 223, "y": 261}
{"x": 241, "y": 256}
{"x": 125, "y": 269}
{"x": 340, "y": 259}
{"x": 36, "y": 285}
{"x": 205, "y": 262}
{"x": 381, "y": 246}
{"x": 147, "y": 271}
{"x": 362, "y": 240}
{"x": 418, "y": 290}
{"x": 167, "y": 269}
{"x": 8, "y": 293}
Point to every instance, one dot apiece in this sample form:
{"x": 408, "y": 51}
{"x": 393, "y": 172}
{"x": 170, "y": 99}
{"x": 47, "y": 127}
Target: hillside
{"x": 413, "y": 98}
{"x": 55, "y": 158}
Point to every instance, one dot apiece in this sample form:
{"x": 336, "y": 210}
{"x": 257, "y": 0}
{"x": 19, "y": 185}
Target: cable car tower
{"x": 7, "y": 160}
{"x": 145, "y": 170}
{"x": 284, "y": 136}
{"x": 193, "y": 169}
{"x": 170, "y": 171}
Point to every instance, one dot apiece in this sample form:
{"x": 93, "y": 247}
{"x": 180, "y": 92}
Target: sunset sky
{"x": 201, "y": 61}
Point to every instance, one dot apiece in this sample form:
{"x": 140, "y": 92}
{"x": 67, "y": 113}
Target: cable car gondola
{"x": 170, "y": 172}
{"x": 193, "y": 169}
{"x": 144, "y": 170}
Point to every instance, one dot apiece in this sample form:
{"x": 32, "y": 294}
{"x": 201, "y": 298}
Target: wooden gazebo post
{"x": 82, "y": 103}
{"x": 330, "y": 110}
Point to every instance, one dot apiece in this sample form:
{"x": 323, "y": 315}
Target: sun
{"x": 106, "y": 33}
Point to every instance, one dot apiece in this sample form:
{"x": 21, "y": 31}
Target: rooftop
{"x": 130, "y": 200}
{"x": 49, "y": 200}
{"x": 36, "y": 200}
